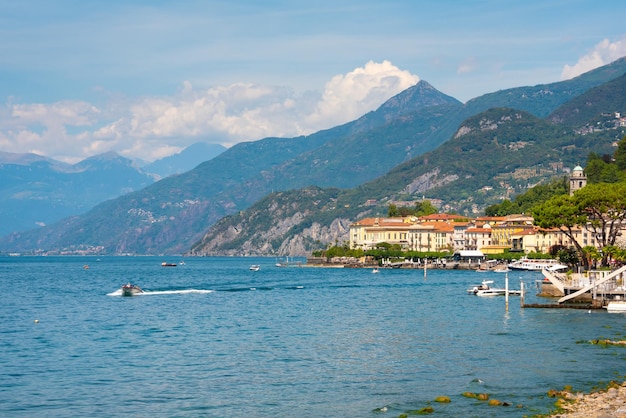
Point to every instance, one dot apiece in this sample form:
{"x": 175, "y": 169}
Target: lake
{"x": 211, "y": 338}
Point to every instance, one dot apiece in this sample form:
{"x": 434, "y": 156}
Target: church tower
{"x": 577, "y": 180}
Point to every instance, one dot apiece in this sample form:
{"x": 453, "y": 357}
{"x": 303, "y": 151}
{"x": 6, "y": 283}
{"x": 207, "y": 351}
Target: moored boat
{"x": 131, "y": 290}
{"x": 616, "y": 306}
{"x": 484, "y": 289}
{"x": 536, "y": 264}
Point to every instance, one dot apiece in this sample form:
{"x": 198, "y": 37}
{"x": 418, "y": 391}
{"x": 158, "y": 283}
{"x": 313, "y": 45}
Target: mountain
{"x": 493, "y": 155}
{"x": 174, "y": 213}
{"x": 187, "y": 159}
{"x": 596, "y": 107}
{"x": 36, "y": 190}
{"x": 543, "y": 99}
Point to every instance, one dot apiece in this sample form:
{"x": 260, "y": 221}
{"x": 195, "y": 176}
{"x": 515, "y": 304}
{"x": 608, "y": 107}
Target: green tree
{"x": 591, "y": 254}
{"x": 561, "y": 213}
{"x": 393, "y": 211}
{"x": 424, "y": 208}
{"x": 598, "y": 170}
{"x": 600, "y": 208}
{"x": 502, "y": 209}
{"x": 604, "y": 206}
{"x": 568, "y": 256}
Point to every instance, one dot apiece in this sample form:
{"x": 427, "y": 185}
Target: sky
{"x": 146, "y": 78}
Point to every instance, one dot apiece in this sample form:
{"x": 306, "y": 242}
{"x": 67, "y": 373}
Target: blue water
{"x": 212, "y": 339}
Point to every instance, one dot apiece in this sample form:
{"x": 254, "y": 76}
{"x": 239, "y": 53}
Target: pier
{"x": 561, "y": 306}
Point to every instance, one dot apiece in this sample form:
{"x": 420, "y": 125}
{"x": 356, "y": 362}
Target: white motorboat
{"x": 536, "y": 264}
{"x": 484, "y": 289}
{"x": 616, "y": 306}
{"x": 255, "y": 267}
{"x": 131, "y": 290}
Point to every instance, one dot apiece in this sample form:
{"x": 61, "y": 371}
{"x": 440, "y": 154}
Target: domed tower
{"x": 577, "y": 180}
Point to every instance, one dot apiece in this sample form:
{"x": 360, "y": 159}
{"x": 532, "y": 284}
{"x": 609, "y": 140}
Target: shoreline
{"x": 610, "y": 402}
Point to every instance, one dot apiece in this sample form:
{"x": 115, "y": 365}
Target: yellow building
{"x": 369, "y": 232}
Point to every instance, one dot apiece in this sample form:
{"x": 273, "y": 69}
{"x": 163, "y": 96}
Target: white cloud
{"x": 603, "y": 53}
{"x": 153, "y": 127}
{"x": 467, "y": 66}
{"x": 346, "y": 97}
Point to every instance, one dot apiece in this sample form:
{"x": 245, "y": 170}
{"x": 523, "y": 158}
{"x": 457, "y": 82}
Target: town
{"x": 442, "y": 232}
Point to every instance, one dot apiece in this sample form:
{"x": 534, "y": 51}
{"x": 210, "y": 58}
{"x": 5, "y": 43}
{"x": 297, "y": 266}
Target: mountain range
{"x": 287, "y": 195}
{"x": 37, "y": 190}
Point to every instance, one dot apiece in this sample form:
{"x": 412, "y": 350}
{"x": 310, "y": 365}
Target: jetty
{"x": 589, "y": 290}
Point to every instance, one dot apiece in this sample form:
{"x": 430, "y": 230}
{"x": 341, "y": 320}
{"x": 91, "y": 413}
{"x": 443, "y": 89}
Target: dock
{"x": 586, "y": 306}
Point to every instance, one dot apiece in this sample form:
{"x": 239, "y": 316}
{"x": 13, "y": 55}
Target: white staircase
{"x": 552, "y": 276}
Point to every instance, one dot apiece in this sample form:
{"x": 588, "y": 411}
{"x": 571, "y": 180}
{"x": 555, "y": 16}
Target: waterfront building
{"x": 369, "y": 232}
{"x": 478, "y": 238}
{"x": 503, "y": 231}
{"x": 431, "y": 236}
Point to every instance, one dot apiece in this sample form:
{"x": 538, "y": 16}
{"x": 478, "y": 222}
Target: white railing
{"x": 593, "y": 284}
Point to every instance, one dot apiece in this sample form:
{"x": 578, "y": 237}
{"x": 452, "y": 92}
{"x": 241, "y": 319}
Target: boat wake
{"x": 118, "y": 292}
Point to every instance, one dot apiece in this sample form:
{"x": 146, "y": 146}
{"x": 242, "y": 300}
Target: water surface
{"x": 211, "y": 338}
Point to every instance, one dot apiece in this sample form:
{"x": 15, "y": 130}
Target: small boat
{"x": 375, "y": 270}
{"x": 255, "y": 267}
{"x": 165, "y": 264}
{"x": 131, "y": 290}
{"x": 484, "y": 289}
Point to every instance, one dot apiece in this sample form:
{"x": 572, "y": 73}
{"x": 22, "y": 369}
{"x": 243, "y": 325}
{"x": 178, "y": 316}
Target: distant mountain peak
{"x": 185, "y": 160}
{"x": 20, "y": 158}
{"x": 106, "y": 156}
{"x": 419, "y": 96}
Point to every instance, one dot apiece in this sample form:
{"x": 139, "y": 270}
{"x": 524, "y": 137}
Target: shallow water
{"x": 211, "y": 338}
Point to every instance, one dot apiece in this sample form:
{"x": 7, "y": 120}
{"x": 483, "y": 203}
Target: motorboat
{"x": 616, "y": 306}
{"x": 166, "y": 264}
{"x": 483, "y": 286}
{"x": 375, "y": 270}
{"x": 536, "y": 264}
{"x": 255, "y": 267}
{"x": 131, "y": 290}
{"x": 485, "y": 289}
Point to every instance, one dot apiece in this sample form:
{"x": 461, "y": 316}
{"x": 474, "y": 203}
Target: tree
{"x": 568, "y": 256}
{"x": 561, "y": 213}
{"x": 392, "y": 211}
{"x": 600, "y": 208}
{"x": 600, "y": 171}
{"x": 424, "y": 208}
{"x": 604, "y": 206}
{"x": 502, "y": 209}
{"x": 591, "y": 254}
